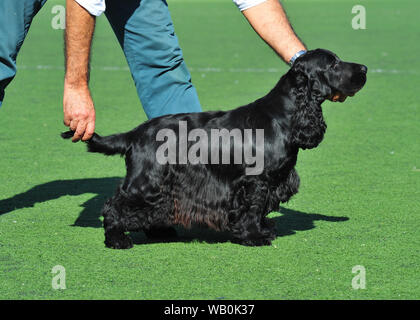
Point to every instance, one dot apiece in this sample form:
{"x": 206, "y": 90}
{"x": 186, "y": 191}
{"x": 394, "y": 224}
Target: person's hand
{"x": 79, "y": 112}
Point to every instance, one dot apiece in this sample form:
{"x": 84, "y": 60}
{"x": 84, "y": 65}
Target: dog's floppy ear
{"x": 312, "y": 79}
{"x": 308, "y": 126}
{"x": 300, "y": 73}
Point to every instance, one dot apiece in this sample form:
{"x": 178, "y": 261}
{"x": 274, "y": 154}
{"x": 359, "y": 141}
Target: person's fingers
{"x": 81, "y": 127}
{"x": 66, "y": 120}
{"x": 90, "y": 129}
{"x": 73, "y": 125}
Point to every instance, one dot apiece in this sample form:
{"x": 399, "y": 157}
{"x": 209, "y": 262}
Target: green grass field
{"x": 359, "y": 198}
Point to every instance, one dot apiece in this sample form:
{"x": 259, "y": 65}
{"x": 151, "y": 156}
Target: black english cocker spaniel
{"x": 175, "y": 175}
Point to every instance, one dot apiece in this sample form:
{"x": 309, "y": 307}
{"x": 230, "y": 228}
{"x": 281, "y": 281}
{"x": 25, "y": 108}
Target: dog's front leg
{"x": 287, "y": 188}
{"x": 253, "y": 230}
{"x": 248, "y": 222}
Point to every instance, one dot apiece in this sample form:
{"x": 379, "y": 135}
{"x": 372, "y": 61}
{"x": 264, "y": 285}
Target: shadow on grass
{"x": 103, "y": 188}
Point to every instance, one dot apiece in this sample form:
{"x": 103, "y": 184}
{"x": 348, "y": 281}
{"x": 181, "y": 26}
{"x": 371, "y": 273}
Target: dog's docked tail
{"x": 110, "y": 145}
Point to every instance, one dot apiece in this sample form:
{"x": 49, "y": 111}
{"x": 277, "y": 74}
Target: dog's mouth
{"x": 340, "y": 96}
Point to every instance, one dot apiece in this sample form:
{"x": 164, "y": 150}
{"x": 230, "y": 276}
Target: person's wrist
{"x": 80, "y": 84}
{"x": 295, "y": 56}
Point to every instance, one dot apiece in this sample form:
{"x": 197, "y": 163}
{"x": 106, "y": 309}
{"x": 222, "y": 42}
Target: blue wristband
{"x": 297, "y": 55}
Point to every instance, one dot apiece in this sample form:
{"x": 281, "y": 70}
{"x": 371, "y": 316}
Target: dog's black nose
{"x": 363, "y": 68}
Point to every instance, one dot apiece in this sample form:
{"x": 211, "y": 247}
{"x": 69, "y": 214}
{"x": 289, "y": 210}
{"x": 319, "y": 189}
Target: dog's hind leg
{"x": 115, "y": 236}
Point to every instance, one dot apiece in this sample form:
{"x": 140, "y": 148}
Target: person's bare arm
{"x": 78, "y": 107}
{"x": 270, "y": 22}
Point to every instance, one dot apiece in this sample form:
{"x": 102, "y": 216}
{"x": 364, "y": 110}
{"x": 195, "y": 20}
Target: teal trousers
{"x": 146, "y": 34}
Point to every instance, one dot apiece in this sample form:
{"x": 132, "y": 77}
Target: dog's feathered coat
{"x": 154, "y": 197}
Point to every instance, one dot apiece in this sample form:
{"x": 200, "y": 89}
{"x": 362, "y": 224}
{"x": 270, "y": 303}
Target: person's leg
{"x": 15, "y": 18}
{"x": 145, "y": 31}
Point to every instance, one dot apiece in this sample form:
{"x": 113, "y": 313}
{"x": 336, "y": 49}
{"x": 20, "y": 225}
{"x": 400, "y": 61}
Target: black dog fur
{"x": 154, "y": 197}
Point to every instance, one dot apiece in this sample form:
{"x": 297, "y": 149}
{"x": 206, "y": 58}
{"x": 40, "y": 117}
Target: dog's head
{"x": 327, "y": 76}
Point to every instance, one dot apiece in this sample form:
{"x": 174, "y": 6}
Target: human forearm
{"x": 270, "y": 22}
{"x": 80, "y": 25}
{"x": 78, "y": 107}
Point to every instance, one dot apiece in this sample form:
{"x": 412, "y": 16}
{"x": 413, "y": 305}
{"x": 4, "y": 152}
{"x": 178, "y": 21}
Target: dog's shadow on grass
{"x": 102, "y": 188}
{"x": 287, "y": 224}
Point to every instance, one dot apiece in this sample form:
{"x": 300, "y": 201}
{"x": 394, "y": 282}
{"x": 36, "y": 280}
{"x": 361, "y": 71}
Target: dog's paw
{"x": 119, "y": 243}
